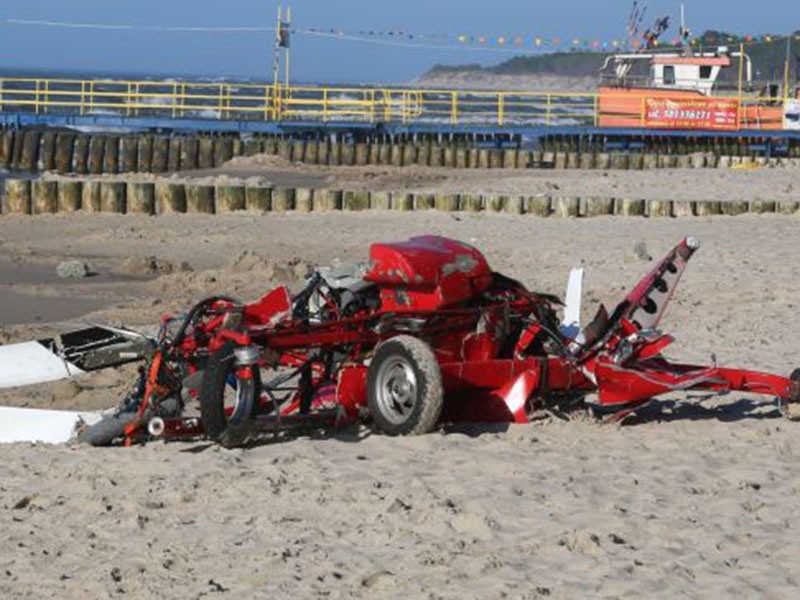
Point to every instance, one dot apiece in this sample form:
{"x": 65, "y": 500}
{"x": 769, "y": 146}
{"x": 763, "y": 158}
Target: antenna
{"x": 685, "y": 32}
{"x": 282, "y": 44}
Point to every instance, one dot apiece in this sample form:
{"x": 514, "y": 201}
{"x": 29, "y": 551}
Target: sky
{"x": 315, "y": 59}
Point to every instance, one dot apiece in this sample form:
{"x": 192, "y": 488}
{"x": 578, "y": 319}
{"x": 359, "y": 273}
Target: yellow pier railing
{"x": 232, "y": 101}
{"x": 269, "y": 102}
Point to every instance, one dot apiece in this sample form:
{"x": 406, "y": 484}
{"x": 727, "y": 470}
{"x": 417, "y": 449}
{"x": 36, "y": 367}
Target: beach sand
{"x": 689, "y": 499}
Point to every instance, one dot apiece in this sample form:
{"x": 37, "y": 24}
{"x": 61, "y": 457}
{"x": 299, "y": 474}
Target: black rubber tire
{"x": 108, "y": 429}
{"x": 429, "y": 389}
{"x": 231, "y": 431}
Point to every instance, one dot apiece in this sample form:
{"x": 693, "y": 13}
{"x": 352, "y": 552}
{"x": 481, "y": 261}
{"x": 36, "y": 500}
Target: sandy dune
{"x": 697, "y": 500}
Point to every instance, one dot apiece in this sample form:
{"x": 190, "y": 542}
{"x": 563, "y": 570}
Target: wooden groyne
{"x": 27, "y": 197}
{"x": 94, "y": 154}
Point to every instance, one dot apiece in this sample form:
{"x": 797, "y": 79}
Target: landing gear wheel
{"x": 791, "y": 408}
{"x": 404, "y": 387}
{"x": 226, "y": 411}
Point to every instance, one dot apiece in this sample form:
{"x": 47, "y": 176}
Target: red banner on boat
{"x": 700, "y": 113}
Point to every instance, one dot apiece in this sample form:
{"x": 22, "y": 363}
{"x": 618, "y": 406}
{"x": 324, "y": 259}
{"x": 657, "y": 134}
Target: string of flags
{"x": 542, "y": 42}
{"x": 508, "y": 43}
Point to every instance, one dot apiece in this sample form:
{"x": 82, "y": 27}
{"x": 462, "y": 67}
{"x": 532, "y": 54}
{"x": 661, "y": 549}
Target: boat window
{"x": 669, "y": 75}
{"x": 705, "y": 72}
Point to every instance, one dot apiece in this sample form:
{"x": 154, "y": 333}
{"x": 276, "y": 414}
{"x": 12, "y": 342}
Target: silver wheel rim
{"x": 396, "y": 390}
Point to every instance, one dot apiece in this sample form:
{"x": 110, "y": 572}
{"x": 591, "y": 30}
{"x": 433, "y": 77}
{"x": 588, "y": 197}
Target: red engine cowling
{"x": 427, "y": 273}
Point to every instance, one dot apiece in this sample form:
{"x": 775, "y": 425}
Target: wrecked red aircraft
{"x": 426, "y": 334}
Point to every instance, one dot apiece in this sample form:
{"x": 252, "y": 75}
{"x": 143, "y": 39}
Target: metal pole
{"x": 786, "y": 69}
{"x": 741, "y": 69}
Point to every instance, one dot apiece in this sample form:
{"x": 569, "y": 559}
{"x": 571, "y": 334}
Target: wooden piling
{"x": 326, "y": 200}
{"x": 348, "y": 155}
{"x": 111, "y": 155}
{"x": 189, "y": 148}
{"x": 304, "y": 200}
{"x": 30, "y": 150}
{"x": 200, "y": 199}
{"x": 258, "y": 199}
{"x": 69, "y": 196}
{"x": 446, "y": 202}
{"x": 170, "y": 198}
{"x": 619, "y": 162}
{"x": 423, "y": 154}
{"x": 356, "y": 200}
{"x": 495, "y": 202}
{"x": 160, "y": 156}
{"x": 629, "y": 207}
{"x": 381, "y": 200}
{"x": 223, "y": 150}
{"x": 145, "y": 153}
{"x": 174, "y": 155}
{"x": 708, "y": 208}
{"x": 539, "y": 206}
{"x": 596, "y": 207}
{"x": 659, "y": 208}
{"x": 47, "y": 152}
{"x": 205, "y": 153}
{"x": 90, "y": 197}
{"x": 229, "y": 198}
{"x": 683, "y": 208}
{"x": 282, "y": 199}
{"x": 564, "y": 207}
{"x": 471, "y": 202}
{"x": 97, "y": 150}
{"x": 403, "y": 201}
{"x": 129, "y": 154}
{"x": 80, "y": 152}
{"x": 409, "y": 154}
{"x": 733, "y": 208}
{"x": 6, "y": 148}
{"x": 44, "y": 197}
{"x": 141, "y": 198}
{"x": 112, "y": 196}
{"x": 18, "y": 196}
{"x": 424, "y": 201}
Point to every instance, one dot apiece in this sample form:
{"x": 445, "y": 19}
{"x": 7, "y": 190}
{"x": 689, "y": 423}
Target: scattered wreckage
{"x": 427, "y": 333}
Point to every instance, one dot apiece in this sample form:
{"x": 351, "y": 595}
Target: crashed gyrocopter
{"x": 426, "y": 333}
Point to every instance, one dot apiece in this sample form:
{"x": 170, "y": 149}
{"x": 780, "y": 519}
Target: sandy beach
{"x": 690, "y": 499}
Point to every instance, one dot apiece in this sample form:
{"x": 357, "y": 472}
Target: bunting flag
{"x": 544, "y": 43}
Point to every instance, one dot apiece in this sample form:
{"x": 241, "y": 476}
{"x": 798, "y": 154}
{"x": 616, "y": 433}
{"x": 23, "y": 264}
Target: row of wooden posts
{"x": 69, "y": 152}
{"x": 42, "y": 196}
